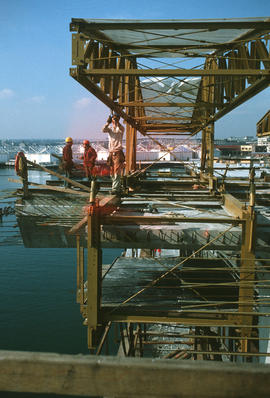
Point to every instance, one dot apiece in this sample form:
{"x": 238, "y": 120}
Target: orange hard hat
{"x": 86, "y": 142}
{"x": 69, "y": 139}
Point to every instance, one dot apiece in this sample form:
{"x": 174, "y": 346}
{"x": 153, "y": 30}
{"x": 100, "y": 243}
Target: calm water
{"x": 38, "y": 311}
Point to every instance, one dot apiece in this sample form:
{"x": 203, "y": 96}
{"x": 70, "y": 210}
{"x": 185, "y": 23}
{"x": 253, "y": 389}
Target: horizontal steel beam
{"x": 145, "y": 118}
{"x": 163, "y": 104}
{"x": 210, "y": 25}
{"x": 264, "y": 134}
{"x": 121, "y": 315}
{"x": 176, "y": 236}
{"x": 170, "y": 129}
{"x": 154, "y": 220}
{"x": 170, "y": 125}
{"x": 176, "y": 72}
{"x": 162, "y": 132}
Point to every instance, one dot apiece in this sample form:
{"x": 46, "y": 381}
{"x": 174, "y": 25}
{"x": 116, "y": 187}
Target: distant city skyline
{"x": 38, "y": 98}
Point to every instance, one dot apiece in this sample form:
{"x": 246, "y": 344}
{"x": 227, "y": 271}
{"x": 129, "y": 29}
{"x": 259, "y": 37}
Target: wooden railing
{"x": 130, "y": 377}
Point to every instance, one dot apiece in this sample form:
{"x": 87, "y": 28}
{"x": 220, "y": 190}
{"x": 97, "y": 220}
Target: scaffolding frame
{"x": 113, "y": 59}
{"x": 110, "y": 67}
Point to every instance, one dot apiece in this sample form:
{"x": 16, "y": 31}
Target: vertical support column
{"x": 210, "y": 154}
{"x": 207, "y": 95}
{"x": 78, "y": 269}
{"x": 131, "y": 94}
{"x": 77, "y": 49}
{"x": 203, "y": 152}
{"x": 93, "y": 276}
{"x": 81, "y": 277}
{"x": 131, "y": 142}
{"x": 22, "y": 171}
{"x": 25, "y": 184}
{"x": 247, "y": 276}
{"x": 80, "y": 273}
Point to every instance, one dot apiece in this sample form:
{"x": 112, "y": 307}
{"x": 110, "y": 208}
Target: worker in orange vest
{"x": 89, "y": 158}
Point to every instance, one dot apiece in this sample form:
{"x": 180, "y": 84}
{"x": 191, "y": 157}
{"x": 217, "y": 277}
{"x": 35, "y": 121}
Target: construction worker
{"x": 116, "y": 158}
{"x": 89, "y": 158}
{"x": 67, "y": 161}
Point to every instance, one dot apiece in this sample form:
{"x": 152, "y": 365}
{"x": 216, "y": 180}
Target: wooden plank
{"x": 51, "y": 188}
{"x": 130, "y": 377}
{"x": 233, "y": 205}
{"x": 76, "y": 228}
{"x": 72, "y": 182}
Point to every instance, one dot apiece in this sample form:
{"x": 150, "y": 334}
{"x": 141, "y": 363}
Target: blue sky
{"x": 38, "y": 98}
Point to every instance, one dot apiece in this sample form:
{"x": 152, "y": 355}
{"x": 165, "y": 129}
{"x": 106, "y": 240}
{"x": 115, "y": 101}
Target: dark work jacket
{"x": 67, "y": 157}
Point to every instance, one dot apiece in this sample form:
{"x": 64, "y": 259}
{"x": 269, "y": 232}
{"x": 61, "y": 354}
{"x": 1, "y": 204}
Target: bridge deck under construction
{"x": 183, "y": 262}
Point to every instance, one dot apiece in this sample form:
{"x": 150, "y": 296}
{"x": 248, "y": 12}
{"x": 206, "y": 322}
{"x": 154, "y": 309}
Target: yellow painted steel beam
{"x": 78, "y": 269}
{"x": 210, "y": 153}
{"x": 176, "y": 72}
{"x": 160, "y": 118}
{"x": 155, "y": 220}
{"x": 164, "y": 130}
{"x": 263, "y": 125}
{"x": 162, "y": 104}
{"x": 170, "y": 125}
{"x": 93, "y": 278}
{"x": 264, "y": 134}
{"x": 247, "y": 292}
{"x": 139, "y": 318}
{"x": 210, "y": 25}
{"x": 170, "y": 24}
{"x": 184, "y": 133}
{"x": 245, "y": 95}
{"x": 131, "y": 141}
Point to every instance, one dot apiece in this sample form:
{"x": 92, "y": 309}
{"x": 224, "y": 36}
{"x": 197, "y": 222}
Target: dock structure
{"x": 193, "y": 281}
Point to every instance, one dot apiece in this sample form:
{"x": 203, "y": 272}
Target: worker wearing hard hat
{"x": 67, "y": 160}
{"x": 116, "y": 158}
{"x": 89, "y": 158}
